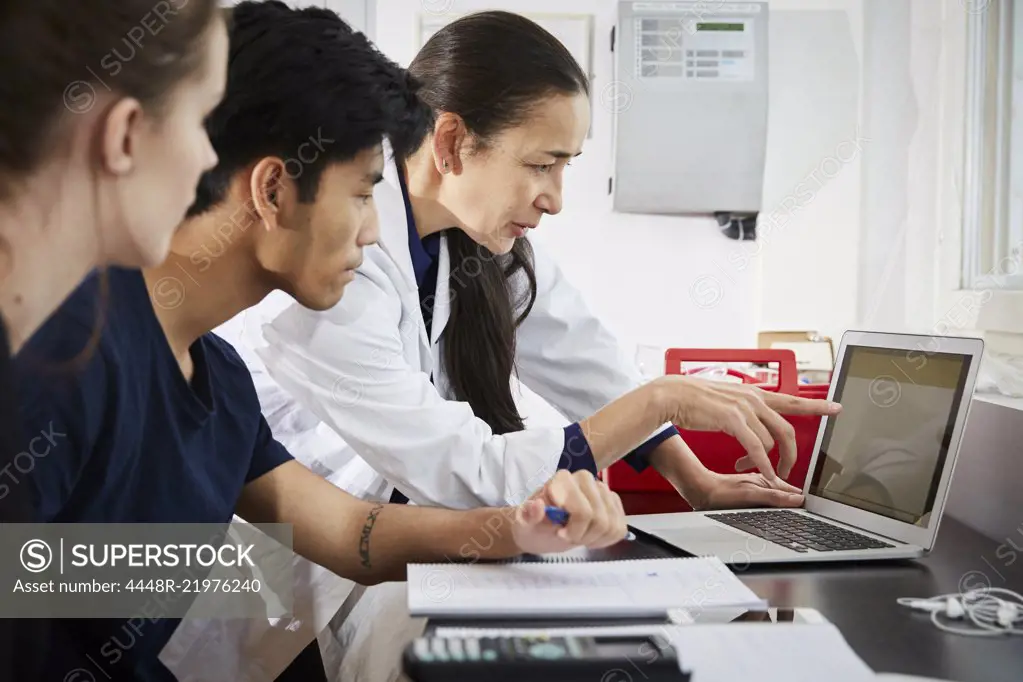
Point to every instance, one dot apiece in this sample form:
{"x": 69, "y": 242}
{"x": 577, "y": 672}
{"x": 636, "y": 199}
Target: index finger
{"x": 786, "y": 487}
{"x": 754, "y": 448}
{"x": 784, "y": 435}
{"x": 600, "y": 513}
{"x": 790, "y": 404}
{"x": 580, "y": 512}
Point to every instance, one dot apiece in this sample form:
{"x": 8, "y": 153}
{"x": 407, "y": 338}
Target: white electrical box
{"x": 690, "y": 106}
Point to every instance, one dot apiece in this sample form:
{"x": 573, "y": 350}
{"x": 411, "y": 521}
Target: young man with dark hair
{"x": 162, "y": 424}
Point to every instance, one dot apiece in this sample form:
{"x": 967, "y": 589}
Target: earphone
{"x": 992, "y": 615}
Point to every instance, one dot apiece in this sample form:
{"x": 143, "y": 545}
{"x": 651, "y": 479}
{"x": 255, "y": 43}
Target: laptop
{"x": 880, "y": 471}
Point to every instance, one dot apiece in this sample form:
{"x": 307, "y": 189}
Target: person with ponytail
{"x": 101, "y": 147}
{"x": 406, "y": 384}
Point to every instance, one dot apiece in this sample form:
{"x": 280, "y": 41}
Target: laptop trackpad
{"x": 709, "y": 539}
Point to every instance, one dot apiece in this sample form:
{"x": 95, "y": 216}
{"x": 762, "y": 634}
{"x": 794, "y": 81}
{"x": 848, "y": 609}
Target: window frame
{"x": 980, "y": 290}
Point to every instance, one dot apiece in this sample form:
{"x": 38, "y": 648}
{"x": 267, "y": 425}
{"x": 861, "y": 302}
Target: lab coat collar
{"x": 394, "y": 220}
{"x": 394, "y": 240}
{"x": 442, "y": 296}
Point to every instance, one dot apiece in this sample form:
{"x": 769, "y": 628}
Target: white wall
{"x": 677, "y": 281}
{"x": 913, "y": 195}
{"x": 912, "y": 183}
{"x": 361, "y": 14}
{"x": 808, "y": 242}
{"x": 858, "y": 183}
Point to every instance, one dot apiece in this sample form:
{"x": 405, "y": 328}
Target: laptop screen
{"x": 885, "y": 452}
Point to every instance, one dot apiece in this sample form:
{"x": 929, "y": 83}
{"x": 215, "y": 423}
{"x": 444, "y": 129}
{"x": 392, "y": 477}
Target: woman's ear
{"x": 449, "y": 134}
{"x": 266, "y": 189}
{"x": 118, "y": 144}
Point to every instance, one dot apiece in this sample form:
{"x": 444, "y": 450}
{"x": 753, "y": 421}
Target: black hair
{"x": 57, "y": 55}
{"x": 303, "y": 86}
{"x": 493, "y": 69}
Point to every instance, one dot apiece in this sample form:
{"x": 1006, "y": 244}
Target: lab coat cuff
{"x": 576, "y": 454}
{"x": 638, "y": 459}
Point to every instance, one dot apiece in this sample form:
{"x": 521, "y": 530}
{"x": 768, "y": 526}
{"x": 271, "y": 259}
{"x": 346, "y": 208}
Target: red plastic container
{"x": 719, "y": 451}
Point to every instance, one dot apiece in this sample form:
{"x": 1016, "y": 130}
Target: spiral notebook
{"x": 631, "y": 588}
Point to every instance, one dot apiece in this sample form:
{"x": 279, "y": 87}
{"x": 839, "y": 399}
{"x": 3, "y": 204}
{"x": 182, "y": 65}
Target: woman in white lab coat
{"x": 413, "y": 368}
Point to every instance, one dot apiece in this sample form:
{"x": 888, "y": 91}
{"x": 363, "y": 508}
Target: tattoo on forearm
{"x": 366, "y": 530}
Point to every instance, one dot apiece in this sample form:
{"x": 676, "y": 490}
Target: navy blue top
{"x": 131, "y": 441}
{"x": 23, "y": 641}
{"x": 576, "y": 453}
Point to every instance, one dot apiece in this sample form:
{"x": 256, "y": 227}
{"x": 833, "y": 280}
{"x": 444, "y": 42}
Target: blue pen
{"x": 560, "y": 516}
{"x": 557, "y": 515}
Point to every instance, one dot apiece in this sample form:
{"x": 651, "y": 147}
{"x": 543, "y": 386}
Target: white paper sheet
{"x": 769, "y": 653}
{"x": 764, "y": 652}
{"x": 600, "y": 589}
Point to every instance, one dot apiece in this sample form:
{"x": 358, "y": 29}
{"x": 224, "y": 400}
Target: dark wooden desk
{"x": 860, "y": 600}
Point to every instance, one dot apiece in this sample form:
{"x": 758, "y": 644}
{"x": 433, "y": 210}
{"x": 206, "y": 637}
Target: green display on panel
{"x": 719, "y": 27}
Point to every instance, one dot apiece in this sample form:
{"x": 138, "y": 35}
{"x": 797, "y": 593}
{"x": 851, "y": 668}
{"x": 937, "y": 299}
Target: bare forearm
{"x": 370, "y": 542}
{"x": 673, "y": 458}
{"x": 626, "y": 423}
{"x": 376, "y": 542}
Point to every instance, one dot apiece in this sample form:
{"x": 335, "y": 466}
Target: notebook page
{"x": 618, "y": 588}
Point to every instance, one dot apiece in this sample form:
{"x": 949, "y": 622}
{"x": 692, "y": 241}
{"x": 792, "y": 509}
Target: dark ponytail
{"x": 479, "y": 339}
{"x": 493, "y": 69}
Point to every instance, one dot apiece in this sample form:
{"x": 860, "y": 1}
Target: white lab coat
{"x": 354, "y": 382}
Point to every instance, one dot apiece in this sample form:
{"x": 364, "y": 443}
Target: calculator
{"x": 542, "y": 659}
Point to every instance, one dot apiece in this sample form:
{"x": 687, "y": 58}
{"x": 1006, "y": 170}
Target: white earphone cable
{"x": 993, "y": 611}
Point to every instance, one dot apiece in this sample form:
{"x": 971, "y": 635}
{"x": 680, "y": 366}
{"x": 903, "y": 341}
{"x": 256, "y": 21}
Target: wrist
{"x": 494, "y": 535}
{"x": 680, "y": 466}
{"x": 695, "y": 488}
{"x": 663, "y": 397}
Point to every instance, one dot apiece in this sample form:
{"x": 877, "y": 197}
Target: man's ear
{"x": 449, "y": 134}
{"x": 117, "y": 130}
{"x": 266, "y": 190}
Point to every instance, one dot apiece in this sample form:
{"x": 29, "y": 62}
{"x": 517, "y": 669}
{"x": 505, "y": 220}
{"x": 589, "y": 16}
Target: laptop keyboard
{"x": 798, "y": 532}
